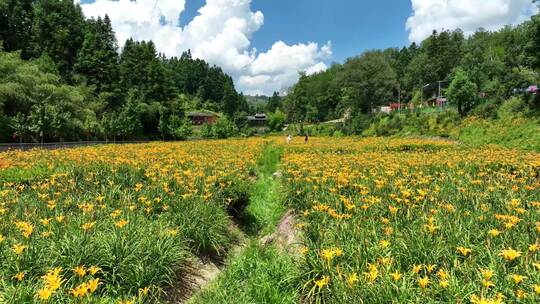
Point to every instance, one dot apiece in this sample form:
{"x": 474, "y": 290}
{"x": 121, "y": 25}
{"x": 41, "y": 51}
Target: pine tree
{"x": 58, "y": 30}
{"x": 274, "y": 103}
{"x": 98, "y": 59}
{"x": 16, "y": 17}
{"x": 143, "y": 69}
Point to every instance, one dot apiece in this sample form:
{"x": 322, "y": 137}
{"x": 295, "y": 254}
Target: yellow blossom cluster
{"x": 132, "y": 211}
{"x": 424, "y": 220}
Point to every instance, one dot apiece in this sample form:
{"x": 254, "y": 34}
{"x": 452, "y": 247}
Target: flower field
{"x": 415, "y": 221}
{"x": 116, "y": 224}
{"x": 379, "y": 221}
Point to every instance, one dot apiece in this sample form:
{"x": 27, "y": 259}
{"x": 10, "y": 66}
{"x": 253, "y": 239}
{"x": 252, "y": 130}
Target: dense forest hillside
{"x": 463, "y": 72}
{"x": 63, "y": 77}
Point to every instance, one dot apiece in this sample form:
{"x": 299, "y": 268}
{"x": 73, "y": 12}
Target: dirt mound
{"x": 192, "y": 279}
{"x": 286, "y": 236}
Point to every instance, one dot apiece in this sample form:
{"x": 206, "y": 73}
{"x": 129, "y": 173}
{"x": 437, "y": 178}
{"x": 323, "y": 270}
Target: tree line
{"x": 62, "y": 77}
{"x": 486, "y": 66}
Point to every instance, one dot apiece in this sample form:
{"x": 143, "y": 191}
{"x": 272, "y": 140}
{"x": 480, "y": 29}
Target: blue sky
{"x": 351, "y": 26}
{"x": 264, "y": 44}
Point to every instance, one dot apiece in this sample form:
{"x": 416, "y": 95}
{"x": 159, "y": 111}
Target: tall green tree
{"x": 58, "y": 30}
{"x": 462, "y": 92}
{"x": 51, "y": 109}
{"x": 142, "y": 69}
{"x": 315, "y": 98}
{"x": 97, "y": 59}
{"x": 274, "y": 103}
{"x": 16, "y": 18}
{"x": 369, "y": 81}
{"x": 209, "y": 83}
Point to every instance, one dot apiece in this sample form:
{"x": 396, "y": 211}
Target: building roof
{"x": 201, "y": 114}
{"x": 257, "y": 117}
{"x": 254, "y": 118}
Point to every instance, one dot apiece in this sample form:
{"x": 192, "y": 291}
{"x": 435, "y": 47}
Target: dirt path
{"x": 267, "y": 214}
{"x": 286, "y": 236}
{"x": 204, "y": 273}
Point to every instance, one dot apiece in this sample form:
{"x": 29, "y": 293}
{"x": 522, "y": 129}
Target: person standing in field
{"x": 306, "y": 139}
{"x": 289, "y": 138}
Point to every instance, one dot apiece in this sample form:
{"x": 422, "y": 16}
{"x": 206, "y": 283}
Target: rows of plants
{"x": 117, "y": 224}
{"x": 415, "y": 220}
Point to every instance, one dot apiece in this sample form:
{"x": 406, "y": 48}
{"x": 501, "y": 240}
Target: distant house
{"x": 258, "y": 120}
{"x": 382, "y": 109}
{"x": 386, "y": 109}
{"x": 532, "y": 89}
{"x": 201, "y": 118}
{"x": 436, "y": 102}
{"x": 396, "y": 106}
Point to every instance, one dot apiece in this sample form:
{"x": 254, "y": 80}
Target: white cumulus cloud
{"x": 220, "y": 34}
{"x": 278, "y": 68}
{"x": 469, "y": 15}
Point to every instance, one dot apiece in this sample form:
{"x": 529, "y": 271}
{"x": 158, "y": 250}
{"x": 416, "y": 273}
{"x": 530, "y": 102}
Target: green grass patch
{"x": 511, "y": 133}
{"x": 269, "y": 161}
{"x": 258, "y": 275}
{"x": 265, "y": 208}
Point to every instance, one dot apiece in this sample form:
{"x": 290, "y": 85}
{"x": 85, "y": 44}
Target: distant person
{"x": 289, "y": 138}
{"x": 306, "y": 139}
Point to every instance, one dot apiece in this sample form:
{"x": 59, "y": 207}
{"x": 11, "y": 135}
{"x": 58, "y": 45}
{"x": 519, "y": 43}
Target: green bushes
{"x": 433, "y": 124}
{"x": 513, "y": 108}
{"x": 521, "y": 133}
{"x": 223, "y": 128}
{"x": 321, "y": 129}
{"x": 357, "y": 124}
{"x": 179, "y": 128}
{"x": 516, "y": 125}
{"x": 276, "y": 120}
{"x": 486, "y": 110}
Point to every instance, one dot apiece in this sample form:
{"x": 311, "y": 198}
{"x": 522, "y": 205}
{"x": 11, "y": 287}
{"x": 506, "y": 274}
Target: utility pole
{"x": 399, "y": 98}
{"x": 427, "y": 85}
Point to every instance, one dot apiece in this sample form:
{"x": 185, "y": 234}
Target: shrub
{"x": 320, "y": 130}
{"x": 224, "y": 128}
{"x": 180, "y": 128}
{"x": 276, "y": 120}
{"x": 513, "y": 108}
{"x": 463, "y": 92}
{"x": 207, "y": 131}
{"x": 486, "y": 110}
{"x": 356, "y": 124}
